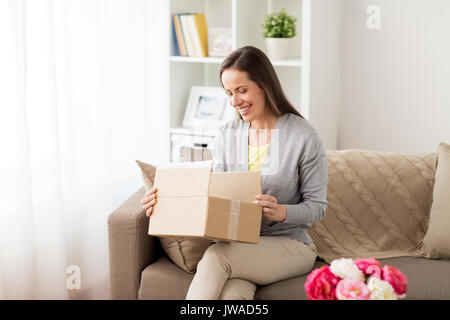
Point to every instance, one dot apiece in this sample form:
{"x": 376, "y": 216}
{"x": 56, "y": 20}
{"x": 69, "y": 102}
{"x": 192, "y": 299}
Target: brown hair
{"x": 260, "y": 70}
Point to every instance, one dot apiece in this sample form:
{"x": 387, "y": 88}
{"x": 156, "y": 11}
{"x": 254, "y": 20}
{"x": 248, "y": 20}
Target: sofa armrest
{"x": 131, "y": 249}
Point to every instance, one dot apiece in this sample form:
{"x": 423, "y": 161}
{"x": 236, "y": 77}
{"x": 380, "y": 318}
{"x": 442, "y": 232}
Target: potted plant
{"x": 279, "y": 28}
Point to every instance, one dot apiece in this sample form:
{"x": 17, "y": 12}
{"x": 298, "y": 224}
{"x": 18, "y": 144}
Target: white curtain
{"x": 81, "y": 92}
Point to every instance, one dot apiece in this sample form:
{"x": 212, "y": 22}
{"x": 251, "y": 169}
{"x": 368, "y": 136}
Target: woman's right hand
{"x": 149, "y": 201}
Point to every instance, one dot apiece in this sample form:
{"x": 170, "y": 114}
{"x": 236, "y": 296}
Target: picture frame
{"x": 219, "y": 42}
{"x": 207, "y": 107}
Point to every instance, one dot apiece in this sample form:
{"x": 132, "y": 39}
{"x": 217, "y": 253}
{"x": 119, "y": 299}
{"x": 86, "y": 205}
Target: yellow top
{"x": 256, "y": 156}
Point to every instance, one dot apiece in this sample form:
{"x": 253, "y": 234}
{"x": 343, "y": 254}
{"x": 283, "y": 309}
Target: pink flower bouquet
{"x": 359, "y": 279}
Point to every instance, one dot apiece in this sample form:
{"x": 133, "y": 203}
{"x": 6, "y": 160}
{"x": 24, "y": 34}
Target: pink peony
{"x": 370, "y": 267}
{"x": 352, "y": 289}
{"x": 321, "y": 284}
{"x": 396, "y": 279}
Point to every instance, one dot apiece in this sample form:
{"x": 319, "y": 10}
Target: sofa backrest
{"x": 378, "y": 203}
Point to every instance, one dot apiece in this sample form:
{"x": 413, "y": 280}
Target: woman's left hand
{"x": 270, "y": 207}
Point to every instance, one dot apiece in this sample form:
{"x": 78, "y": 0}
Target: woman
{"x": 272, "y": 137}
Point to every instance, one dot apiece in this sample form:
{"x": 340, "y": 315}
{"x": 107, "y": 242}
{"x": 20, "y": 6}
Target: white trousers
{"x": 232, "y": 271}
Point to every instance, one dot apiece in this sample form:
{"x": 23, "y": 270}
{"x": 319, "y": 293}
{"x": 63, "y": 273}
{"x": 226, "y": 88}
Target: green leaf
{"x": 279, "y": 25}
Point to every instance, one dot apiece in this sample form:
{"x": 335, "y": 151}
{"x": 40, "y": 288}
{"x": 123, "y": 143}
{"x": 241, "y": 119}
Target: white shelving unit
{"x": 245, "y": 18}
{"x": 218, "y": 60}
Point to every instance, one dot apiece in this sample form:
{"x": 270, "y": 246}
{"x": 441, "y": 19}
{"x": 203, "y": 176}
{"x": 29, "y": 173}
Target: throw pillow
{"x": 183, "y": 252}
{"x": 378, "y": 204}
{"x": 437, "y": 238}
{"x": 148, "y": 174}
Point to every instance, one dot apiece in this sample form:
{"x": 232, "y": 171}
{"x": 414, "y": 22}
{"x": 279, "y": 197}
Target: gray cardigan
{"x": 294, "y": 171}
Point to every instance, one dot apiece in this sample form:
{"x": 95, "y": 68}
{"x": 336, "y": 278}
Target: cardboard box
{"x": 194, "y": 202}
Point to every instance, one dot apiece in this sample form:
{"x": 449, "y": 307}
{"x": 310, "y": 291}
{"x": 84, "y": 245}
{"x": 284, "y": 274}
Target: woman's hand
{"x": 270, "y": 207}
{"x": 149, "y": 201}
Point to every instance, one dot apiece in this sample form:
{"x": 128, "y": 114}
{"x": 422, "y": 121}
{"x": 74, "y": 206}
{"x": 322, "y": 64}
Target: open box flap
{"x": 242, "y": 186}
{"x": 187, "y": 179}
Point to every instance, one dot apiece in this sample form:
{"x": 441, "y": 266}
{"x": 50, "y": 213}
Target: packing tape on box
{"x": 233, "y": 222}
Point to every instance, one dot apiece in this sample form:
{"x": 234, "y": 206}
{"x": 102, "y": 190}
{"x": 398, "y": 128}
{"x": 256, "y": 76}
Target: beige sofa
{"x": 379, "y": 206}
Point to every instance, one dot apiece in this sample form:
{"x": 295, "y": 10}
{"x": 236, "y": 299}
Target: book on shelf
{"x": 179, "y": 39}
{"x": 202, "y": 32}
{"x": 186, "y": 35}
{"x": 195, "y": 39}
{"x": 191, "y": 34}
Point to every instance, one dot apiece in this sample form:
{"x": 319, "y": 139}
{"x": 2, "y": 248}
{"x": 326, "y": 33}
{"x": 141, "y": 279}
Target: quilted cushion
{"x": 378, "y": 204}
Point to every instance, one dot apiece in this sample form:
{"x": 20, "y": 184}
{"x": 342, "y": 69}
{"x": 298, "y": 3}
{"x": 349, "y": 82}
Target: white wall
{"x": 395, "y": 82}
{"x": 324, "y": 71}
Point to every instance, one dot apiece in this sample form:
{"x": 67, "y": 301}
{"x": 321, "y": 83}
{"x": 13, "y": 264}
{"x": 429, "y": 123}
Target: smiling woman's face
{"x": 244, "y": 95}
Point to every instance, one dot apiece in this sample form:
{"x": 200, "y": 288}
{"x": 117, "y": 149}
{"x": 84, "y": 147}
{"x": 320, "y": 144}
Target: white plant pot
{"x": 278, "y": 48}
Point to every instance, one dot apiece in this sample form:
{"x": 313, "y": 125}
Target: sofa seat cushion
{"x": 289, "y": 289}
{"x": 163, "y": 280}
{"x": 427, "y": 279}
